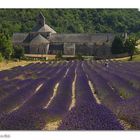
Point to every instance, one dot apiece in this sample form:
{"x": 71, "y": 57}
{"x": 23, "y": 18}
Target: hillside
{"x": 72, "y": 20}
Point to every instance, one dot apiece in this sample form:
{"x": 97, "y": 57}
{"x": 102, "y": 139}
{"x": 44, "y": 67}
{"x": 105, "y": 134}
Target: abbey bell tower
{"x": 40, "y": 19}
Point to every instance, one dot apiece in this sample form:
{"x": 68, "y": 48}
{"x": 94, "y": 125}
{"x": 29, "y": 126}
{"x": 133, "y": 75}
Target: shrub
{"x": 79, "y": 57}
{"x": 18, "y": 52}
{"x": 58, "y": 56}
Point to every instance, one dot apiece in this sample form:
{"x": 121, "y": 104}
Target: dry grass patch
{"x": 52, "y": 125}
{"x": 11, "y": 64}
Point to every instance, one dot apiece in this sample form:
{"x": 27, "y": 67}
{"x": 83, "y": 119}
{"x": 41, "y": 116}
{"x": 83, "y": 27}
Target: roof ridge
{"x": 39, "y": 39}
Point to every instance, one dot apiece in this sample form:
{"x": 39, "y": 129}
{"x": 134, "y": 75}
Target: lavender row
{"x": 61, "y": 102}
{"x": 130, "y": 77}
{"x": 87, "y": 114}
{"x": 90, "y": 117}
{"x": 19, "y": 97}
{"x": 83, "y": 91}
{"x": 44, "y": 93}
{"x": 121, "y": 85}
{"x": 127, "y": 110}
{"x": 105, "y": 93}
{"x": 11, "y": 89}
{"x": 24, "y": 71}
{"x": 15, "y": 119}
{"x": 14, "y": 71}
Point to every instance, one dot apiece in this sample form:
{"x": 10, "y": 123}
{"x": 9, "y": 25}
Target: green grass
{"x": 136, "y": 58}
{"x": 124, "y": 95}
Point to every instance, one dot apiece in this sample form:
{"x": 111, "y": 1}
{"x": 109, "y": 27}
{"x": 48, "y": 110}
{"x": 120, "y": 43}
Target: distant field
{"x": 10, "y": 64}
{"x": 74, "y": 95}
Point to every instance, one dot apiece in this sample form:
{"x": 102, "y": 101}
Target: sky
{"x": 70, "y": 4}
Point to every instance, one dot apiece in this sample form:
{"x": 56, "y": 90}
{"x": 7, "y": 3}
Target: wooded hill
{"x": 72, "y": 20}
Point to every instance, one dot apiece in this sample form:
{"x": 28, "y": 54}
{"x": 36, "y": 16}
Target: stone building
{"x": 44, "y": 40}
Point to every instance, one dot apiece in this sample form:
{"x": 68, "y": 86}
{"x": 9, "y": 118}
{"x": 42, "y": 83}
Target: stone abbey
{"x": 45, "y": 40}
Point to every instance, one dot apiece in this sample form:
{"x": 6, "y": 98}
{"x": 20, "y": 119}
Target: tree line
{"x": 72, "y": 20}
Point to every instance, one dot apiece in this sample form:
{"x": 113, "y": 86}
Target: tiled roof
{"x": 38, "y": 40}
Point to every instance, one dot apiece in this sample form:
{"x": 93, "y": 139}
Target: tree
{"x": 9, "y": 49}
{"x": 18, "y": 52}
{"x": 1, "y": 58}
{"x": 130, "y": 44}
{"x": 117, "y": 45}
{"x": 6, "y": 47}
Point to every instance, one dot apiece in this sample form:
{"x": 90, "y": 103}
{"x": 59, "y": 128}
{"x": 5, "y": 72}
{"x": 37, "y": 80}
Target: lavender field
{"x": 74, "y": 95}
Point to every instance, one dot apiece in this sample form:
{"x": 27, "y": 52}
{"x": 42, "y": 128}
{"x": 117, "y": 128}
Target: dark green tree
{"x": 130, "y": 44}
{"x": 117, "y": 45}
{"x": 18, "y": 52}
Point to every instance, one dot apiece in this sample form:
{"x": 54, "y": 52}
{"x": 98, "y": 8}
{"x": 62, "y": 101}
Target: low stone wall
{"x": 48, "y": 57}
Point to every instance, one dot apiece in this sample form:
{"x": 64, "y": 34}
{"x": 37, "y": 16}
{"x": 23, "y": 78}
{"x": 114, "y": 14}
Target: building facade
{"x": 44, "y": 40}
